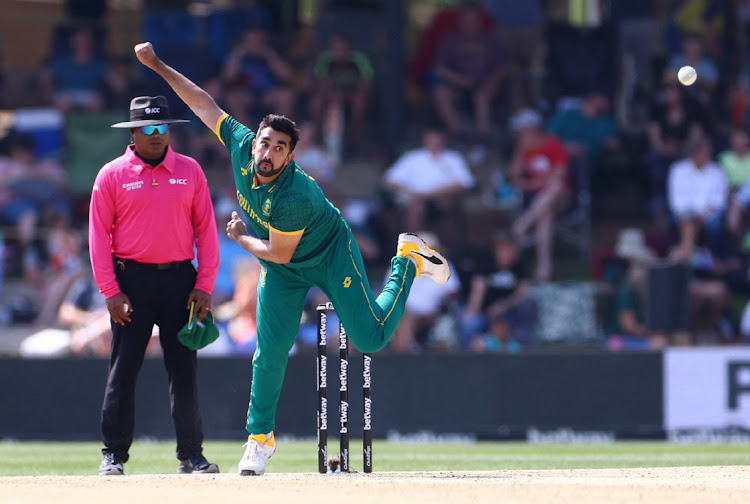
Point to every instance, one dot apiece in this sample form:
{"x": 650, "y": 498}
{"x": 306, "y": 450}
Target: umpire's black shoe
{"x": 111, "y": 465}
{"x": 196, "y": 463}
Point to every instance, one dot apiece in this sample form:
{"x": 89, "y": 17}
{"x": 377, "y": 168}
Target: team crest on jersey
{"x": 267, "y": 208}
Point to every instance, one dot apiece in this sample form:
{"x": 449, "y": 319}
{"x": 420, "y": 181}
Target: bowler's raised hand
{"x": 146, "y": 54}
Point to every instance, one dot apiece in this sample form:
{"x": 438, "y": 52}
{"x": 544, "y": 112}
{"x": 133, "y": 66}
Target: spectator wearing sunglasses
{"x": 150, "y": 209}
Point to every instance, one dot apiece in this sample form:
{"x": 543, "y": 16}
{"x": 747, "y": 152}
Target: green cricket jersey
{"x": 291, "y": 204}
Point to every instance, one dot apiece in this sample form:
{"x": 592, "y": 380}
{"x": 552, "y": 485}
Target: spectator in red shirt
{"x": 539, "y": 169}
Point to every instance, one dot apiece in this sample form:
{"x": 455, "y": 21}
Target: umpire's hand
{"x": 202, "y": 302}
{"x": 119, "y": 308}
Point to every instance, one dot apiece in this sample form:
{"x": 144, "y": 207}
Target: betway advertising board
{"x": 707, "y": 388}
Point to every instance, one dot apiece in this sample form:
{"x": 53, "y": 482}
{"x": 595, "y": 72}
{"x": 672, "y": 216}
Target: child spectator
{"x": 497, "y": 339}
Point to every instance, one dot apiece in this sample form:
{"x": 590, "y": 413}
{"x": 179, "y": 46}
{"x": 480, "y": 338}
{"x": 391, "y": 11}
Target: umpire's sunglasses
{"x": 149, "y": 130}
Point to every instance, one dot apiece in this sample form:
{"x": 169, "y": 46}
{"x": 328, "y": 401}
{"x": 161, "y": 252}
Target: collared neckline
{"x": 138, "y": 164}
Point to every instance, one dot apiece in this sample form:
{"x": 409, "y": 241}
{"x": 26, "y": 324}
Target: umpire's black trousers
{"x": 159, "y": 296}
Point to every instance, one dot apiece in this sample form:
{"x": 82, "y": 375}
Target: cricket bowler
{"x": 301, "y": 241}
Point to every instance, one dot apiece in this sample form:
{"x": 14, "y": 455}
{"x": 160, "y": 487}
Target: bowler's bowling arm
{"x": 199, "y": 101}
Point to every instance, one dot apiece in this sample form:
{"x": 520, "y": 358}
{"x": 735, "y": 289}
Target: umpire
{"x": 150, "y": 209}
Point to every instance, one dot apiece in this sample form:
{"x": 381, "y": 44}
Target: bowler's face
{"x": 271, "y": 152}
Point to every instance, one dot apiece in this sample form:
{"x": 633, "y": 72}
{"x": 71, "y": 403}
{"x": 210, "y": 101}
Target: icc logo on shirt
{"x": 180, "y": 181}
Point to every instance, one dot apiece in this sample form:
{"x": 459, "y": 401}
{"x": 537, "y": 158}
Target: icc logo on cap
{"x": 154, "y": 110}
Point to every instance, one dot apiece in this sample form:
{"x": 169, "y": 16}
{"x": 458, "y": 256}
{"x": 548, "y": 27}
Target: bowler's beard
{"x": 265, "y": 168}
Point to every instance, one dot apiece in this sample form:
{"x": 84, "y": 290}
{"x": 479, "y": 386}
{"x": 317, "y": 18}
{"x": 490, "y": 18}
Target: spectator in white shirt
{"x": 429, "y": 181}
{"x": 698, "y": 192}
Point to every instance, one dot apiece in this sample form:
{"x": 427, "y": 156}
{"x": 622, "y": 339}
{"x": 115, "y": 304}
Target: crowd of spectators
{"x": 568, "y": 110}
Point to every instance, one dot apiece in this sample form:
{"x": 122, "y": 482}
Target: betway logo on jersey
{"x": 132, "y": 185}
{"x": 178, "y": 181}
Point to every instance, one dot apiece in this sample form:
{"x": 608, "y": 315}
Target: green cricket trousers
{"x": 369, "y": 321}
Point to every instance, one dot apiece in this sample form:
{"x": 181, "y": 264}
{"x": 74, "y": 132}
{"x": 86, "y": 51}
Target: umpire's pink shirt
{"x": 132, "y": 218}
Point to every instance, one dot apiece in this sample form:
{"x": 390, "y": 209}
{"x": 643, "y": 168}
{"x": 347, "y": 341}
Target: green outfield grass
{"x": 38, "y": 458}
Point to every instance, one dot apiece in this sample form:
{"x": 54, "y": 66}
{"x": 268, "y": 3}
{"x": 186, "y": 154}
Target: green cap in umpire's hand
{"x": 198, "y": 334}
